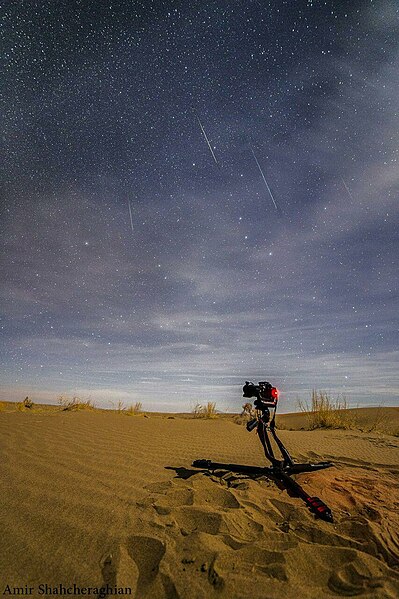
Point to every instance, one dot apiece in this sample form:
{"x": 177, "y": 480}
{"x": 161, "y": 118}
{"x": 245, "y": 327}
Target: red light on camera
{"x": 274, "y": 393}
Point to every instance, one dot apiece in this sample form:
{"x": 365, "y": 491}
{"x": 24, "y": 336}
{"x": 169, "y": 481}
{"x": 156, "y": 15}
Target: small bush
{"x": 379, "y": 423}
{"x": 247, "y": 414}
{"x": 136, "y": 409}
{"x": 120, "y": 407}
{"x": 27, "y": 404}
{"x": 197, "y": 411}
{"x": 23, "y": 406}
{"x": 74, "y": 404}
{"x": 248, "y": 409}
{"x": 326, "y": 412}
{"x": 2, "y": 406}
{"x": 208, "y": 411}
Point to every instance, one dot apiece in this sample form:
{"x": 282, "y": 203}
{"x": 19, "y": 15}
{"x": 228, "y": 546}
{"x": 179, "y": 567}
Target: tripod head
{"x": 266, "y": 397}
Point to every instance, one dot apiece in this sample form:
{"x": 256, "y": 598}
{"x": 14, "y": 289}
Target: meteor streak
{"x": 207, "y": 140}
{"x": 347, "y": 189}
{"x": 130, "y": 213}
{"x": 264, "y": 178}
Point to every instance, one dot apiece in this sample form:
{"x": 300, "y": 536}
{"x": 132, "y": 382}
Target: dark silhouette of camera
{"x": 266, "y": 395}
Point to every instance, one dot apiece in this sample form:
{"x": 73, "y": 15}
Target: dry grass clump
{"x": 73, "y": 404}
{"x": 27, "y": 404}
{"x": 247, "y": 414}
{"x": 208, "y": 411}
{"x": 135, "y": 409}
{"x": 3, "y": 406}
{"x": 132, "y": 410}
{"x": 248, "y": 410}
{"x": 379, "y": 422}
{"x": 325, "y": 412}
{"x": 120, "y": 407}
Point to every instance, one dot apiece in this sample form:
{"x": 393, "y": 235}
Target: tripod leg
{"x": 267, "y": 448}
{"x": 315, "y": 504}
{"x": 284, "y": 452}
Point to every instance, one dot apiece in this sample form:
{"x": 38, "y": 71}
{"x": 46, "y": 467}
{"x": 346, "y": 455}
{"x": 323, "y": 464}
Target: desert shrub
{"x": 73, "y": 404}
{"x": 135, "y": 409}
{"x": 379, "y": 422}
{"x": 120, "y": 407}
{"x": 23, "y": 406}
{"x": 325, "y": 412}
{"x": 2, "y": 406}
{"x": 197, "y": 410}
{"x": 208, "y": 411}
{"x": 248, "y": 410}
{"x": 28, "y": 403}
{"x": 247, "y": 414}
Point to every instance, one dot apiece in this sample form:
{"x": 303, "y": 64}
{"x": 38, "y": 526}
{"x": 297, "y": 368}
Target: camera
{"x": 266, "y": 395}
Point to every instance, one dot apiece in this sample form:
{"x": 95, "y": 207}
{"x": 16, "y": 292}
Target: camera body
{"x": 266, "y": 395}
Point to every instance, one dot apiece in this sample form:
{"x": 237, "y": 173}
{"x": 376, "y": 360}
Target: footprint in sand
{"x": 193, "y": 519}
{"x": 118, "y": 569}
{"x": 198, "y": 492}
{"x": 136, "y": 564}
{"x": 168, "y": 494}
{"x": 215, "y": 496}
{"x": 271, "y": 563}
{"x": 147, "y": 553}
{"x": 233, "y": 526}
{"x": 109, "y": 570}
{"x": 349, "y": 581}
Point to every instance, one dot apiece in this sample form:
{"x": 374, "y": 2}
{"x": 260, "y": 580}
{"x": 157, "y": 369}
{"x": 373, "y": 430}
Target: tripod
{"x": 279, "y": 469}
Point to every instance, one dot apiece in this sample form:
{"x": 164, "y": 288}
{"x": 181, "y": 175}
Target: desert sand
{"x": 96, "y": 499}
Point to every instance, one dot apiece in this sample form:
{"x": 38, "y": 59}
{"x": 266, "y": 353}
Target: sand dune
{"x": 96, "y": 499}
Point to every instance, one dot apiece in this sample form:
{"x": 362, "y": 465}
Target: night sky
{"x": 199, "y": 193}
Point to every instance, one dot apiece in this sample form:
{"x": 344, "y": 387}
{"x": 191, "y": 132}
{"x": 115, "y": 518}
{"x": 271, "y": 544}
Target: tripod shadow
{"x": 231, "y": 480}
{"x": 185, "y": 473}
